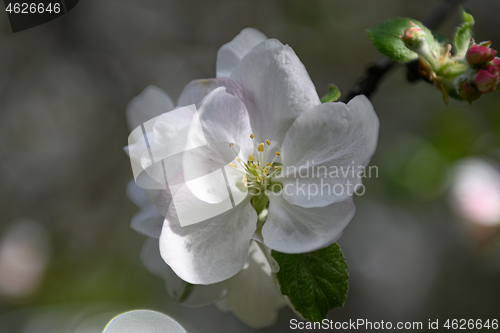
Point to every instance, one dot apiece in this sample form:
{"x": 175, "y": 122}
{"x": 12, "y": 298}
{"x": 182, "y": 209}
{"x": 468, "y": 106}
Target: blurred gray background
{"x": 64, "y": 87}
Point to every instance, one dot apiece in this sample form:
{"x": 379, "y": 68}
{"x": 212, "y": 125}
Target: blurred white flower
{"x": 265, "y": 94}
{"x": 24, "y": 255}
{"x": 475, "y": 191}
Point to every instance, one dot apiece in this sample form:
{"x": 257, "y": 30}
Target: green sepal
{"x": 332, "y": 95}
{"x": 463, "y": 34}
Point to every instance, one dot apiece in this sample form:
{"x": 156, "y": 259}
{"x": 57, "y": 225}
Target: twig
{"x": 369, "y": 83}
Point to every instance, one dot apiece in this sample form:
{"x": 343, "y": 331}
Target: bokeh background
{"x": 69, "y": 260}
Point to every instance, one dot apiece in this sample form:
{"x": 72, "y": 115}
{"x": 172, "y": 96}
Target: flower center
{"x": 258, "y": 169}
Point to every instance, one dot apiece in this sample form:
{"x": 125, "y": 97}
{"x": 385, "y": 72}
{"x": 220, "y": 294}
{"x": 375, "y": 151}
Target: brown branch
{"x": 369, "y": 83}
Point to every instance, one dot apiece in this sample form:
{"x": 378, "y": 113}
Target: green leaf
{"x": 464, "y": 34}
{"x": 385, "y": 37}
{"x": 315, "y": 282}
{"x": 332, "y": 95}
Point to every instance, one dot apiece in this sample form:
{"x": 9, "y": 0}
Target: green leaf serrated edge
{"x": 314, "y": 282}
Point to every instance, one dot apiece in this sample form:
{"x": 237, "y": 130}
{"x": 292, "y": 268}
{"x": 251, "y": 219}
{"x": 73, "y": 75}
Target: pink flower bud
{"x": 493, "y": 69}
{"x": 413, "y": 37}
{"x": 412, "y": 33}
{"x": 496, "y": 62}
{"x": 486, "y": 82}
{"x": 468, "y": 92}
{"x": 478, "y": 54}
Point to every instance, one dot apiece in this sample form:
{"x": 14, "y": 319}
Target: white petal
{"x": 210, "y": 251}
{"x": 230, "y": 54}
{"x": 148, "y": 221}
{"x": 326, "y": 150}
{"x": 277, "y": 89}
{"x": 224, "y": 120}
{"x": 294, "y": 229}
{"x": 136, "y": 194}
{"x": 179, "y": 290}
{"x": 196, "y": 90}
{"x": 151, "y": 103}
{"x": 253, "y": 295}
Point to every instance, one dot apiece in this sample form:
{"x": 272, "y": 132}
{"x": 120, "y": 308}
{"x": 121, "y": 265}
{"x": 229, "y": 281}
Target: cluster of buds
{"x": 466, "y": 76}
{"x": 482, "y": 58}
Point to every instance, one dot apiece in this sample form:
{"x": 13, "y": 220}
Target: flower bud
{"x": 478, "y": 54}
{"x": 468, "y": 91}
{"x": 493, "y": 69}
{"x": 486, "y": 82}
{"x": 413, "y": 37}
{"x": 496, "y": 62}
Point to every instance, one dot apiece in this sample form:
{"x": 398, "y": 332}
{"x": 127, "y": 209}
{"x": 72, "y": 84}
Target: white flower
{"x": 475, "y": 191}
{"x": 264, "y": 102}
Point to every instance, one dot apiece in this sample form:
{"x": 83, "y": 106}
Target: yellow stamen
{"x": 268, "y": 142}
{"x": 251, "y": 158}
{"x": 252, "y": 136}
{"x": 260, "y": 147}
{"x": 238, "y": 160}
{"x": 231, "y": 144}
{"x": 232, "y": 165}
{"x": 278, "y": 153}
{"x": 268, "y": 164}
{"x": 276, "y": 167}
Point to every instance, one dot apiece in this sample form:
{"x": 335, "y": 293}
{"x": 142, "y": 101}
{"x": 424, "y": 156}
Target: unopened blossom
{"x": 413, "y": 36}
{"x": 486, "y": 81}
{"x": 264, "y": 102}
{"x": 479, "y": 54}
{"x": 496, "y": 62}
{"x": 468, "y": 91}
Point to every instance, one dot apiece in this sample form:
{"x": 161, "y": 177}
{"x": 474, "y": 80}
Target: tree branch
{"x": 369, "y": 83}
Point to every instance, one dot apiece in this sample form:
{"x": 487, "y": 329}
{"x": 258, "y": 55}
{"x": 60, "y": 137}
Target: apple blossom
{"x": 263, "y": 102}
{"x": 252, "y": 294}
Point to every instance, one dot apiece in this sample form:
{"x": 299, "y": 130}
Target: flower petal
{"x": 148, "y": 221}
{"x": 212, "y": 250}
{"x": 326, "y": 150}
{"x": 136, "y": 194}
{"x": 294, "y": 229}
{"x": 253, "y": 294}
{"x": 196, "y": 90}
{"x": 224, "y": 120}
{"x": 150, "y": 103}
{"x": 277, "y": 89}
{"x": 179, "y": 290}
{"x": 230, "y": 54}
